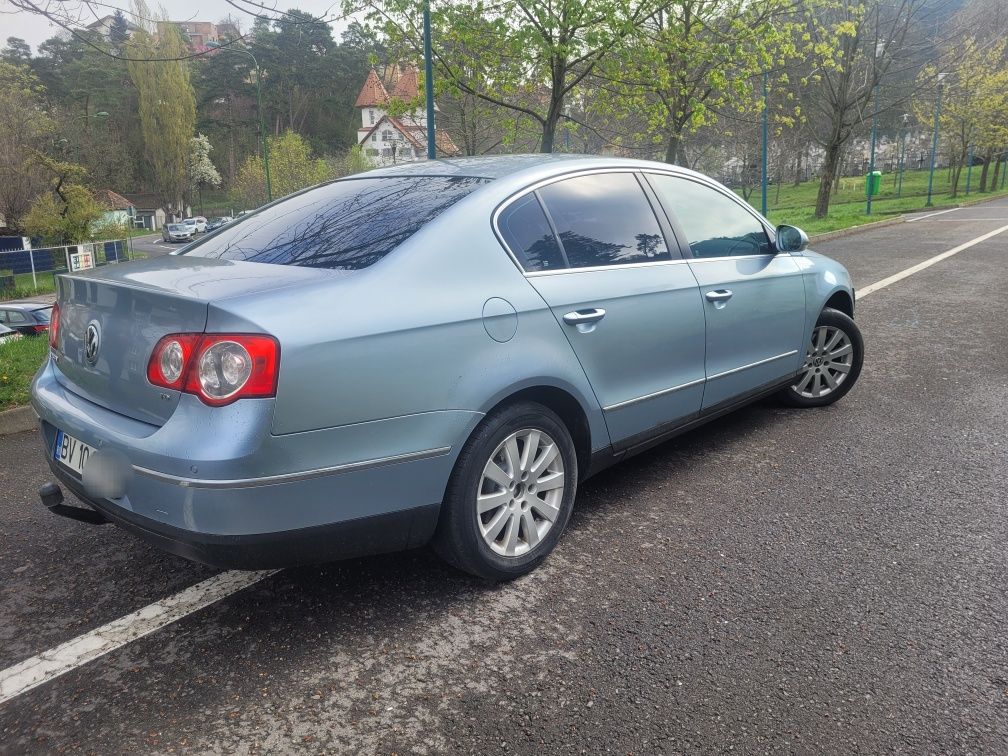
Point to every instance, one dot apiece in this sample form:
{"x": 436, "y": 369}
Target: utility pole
{"x": 870, "y": 183}
{"x": 902, "y": 155}
{"x": 429, "y": 82}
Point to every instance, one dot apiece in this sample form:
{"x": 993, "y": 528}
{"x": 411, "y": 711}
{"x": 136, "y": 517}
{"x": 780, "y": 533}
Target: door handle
{"x": 719, "y": 295}
{"x": 584, "y": 317}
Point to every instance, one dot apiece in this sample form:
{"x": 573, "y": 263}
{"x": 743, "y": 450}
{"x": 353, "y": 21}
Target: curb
{"x": 841, "y": 232}
{"x": 17, "y": 420}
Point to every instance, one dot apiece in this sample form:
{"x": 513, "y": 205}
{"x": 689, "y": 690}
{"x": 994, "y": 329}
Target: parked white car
{"x": 8, "y": 334}
{"x": 196, "y": 223}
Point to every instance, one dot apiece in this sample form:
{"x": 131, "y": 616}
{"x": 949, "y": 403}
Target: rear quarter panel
{"x": 408, "y": 335}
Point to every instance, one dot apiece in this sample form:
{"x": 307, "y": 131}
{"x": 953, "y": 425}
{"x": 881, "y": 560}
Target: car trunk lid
{"x": 129, "y": 308}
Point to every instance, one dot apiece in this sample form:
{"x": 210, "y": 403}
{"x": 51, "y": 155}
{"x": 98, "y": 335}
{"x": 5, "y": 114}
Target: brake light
{"x": 40, "y": 328}
{"x": 219, "y": 368}
{"x": 54, "y": 324}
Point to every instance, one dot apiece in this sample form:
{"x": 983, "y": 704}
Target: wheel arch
{"x": 841, "y": 300}
{"x": 566, "y": 405}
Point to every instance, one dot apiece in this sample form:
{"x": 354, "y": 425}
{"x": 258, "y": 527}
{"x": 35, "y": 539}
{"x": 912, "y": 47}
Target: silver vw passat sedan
{"x": 434, "y": 352}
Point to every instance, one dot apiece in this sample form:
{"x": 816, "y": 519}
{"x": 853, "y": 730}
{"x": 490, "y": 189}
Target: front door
{"x": 753, "y": 298}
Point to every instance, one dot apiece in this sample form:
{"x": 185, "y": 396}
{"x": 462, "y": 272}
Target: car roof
{"x": 32, "y": 306}
{"x": 501, "y": 166}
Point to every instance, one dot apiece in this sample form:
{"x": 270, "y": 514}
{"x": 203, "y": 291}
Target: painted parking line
{"x": 75, "y": 653}
{"x": 862, "y": 293}
{"x": 931, "y": 215}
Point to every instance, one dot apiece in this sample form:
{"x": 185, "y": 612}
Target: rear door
{"x": 754, "y": 299}
{"x": 594, "y": 249}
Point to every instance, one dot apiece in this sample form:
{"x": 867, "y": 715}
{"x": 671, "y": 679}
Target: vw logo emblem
{"x": 92, "y": 342}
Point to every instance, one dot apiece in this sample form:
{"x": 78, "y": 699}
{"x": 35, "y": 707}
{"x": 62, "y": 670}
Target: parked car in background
{"x": 177, "y": 232}
{"x": 27, "y": 318}
{"x": 485, "y": 334}
{"x": 8, "y": 334}
{"x": 217, "y": 223}
{"x": 197, "y": 223}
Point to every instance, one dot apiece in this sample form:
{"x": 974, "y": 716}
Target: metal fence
{"x": 24, "y": 268}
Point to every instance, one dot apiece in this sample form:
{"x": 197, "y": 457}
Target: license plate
{"x": 70, "y": 452}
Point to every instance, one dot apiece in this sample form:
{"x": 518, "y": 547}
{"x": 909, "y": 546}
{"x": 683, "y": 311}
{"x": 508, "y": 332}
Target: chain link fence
{"x": 35, "y": 270}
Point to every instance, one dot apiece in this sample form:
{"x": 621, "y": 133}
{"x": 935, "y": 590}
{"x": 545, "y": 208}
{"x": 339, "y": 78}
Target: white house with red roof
{"x": 385, "y": 139}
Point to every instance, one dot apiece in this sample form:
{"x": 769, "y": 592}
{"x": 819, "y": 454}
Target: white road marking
{"x": 85, "y": 648}
{"x": 931, "y": 215}
{"x": 961, "y": 220}
{"x": 862, "y": 293}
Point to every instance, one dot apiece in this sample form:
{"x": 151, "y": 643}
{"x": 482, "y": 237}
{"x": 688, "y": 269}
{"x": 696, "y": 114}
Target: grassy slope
{"x": 796, "y": 204}
{"x": 19, "y": 361}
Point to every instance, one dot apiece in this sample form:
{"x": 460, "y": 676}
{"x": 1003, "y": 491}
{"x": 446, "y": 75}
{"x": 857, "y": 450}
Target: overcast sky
{"x": 35, "y": 29}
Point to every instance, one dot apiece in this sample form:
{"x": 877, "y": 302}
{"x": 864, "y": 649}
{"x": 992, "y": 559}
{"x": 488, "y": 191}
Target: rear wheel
{"x": 833, "y": 359}
{"x": 510, "y": 495}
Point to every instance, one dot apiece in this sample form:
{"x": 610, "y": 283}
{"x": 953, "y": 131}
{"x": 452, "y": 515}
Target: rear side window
{"x": 715, "y": 225}
{"x": 13, "y": 316}
{"x": 604, "y": 219}
{"x": 527, "y": 233}
{"x": 346, "y": 225}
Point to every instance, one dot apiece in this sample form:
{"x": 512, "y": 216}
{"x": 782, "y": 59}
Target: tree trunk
{"x": 829, "y": 173}
{"x": 986, "y": 167}
{"x": 997, "y": 170}
{"x": 798, "y": 164}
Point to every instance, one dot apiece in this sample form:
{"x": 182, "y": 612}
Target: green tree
{"x": 68, "y": 212}
{"x": 167, "y": 104}
{"x": 974, "y": 100}
{"x": 292, "y": 167}
{"x": 26, "y": 129}
{"x": 16, "y": 52}
{"x": 692, "y": 60}
{"x": 527, "y": 56}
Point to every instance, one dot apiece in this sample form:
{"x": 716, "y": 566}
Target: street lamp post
{"x": 262, "y": 135}
{"x": 429, "y": 83}
{"x": 969, "y": 170}
{"x": 763, "y": 173}
{"x": 879, "y": 50}
{"x": 902, "y": 154}
{"x": 934, "y": 141}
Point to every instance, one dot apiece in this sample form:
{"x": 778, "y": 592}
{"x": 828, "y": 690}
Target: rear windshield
{"x": 346, "y": 225}
{"x": 43, "y": 314}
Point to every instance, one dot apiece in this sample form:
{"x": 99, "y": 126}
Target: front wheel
{"x": 832, "y": 364}
{"x": 510, "y": 494}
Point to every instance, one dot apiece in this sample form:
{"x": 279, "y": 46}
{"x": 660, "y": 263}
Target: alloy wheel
{"x": 520, "y": 492}
{"x": 827, "y": 364}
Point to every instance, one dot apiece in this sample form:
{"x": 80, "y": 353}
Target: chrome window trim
{"x": 596, "y": 268}
{"x": 507, "y": 202}
{"x": 269, "y": 480}
{"x": 654, "y": 395}
{"x": 751, "y": 365}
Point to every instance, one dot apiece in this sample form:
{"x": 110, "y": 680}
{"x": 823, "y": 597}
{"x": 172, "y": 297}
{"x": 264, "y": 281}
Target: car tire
{"x": 834, "y": 355}
{"x": 521, "y": 520}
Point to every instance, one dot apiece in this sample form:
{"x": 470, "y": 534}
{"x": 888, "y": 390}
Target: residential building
{"x": 388, "y": 139}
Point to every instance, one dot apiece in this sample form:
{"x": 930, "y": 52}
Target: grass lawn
{"x": 795, "y": 205}
{"x": 19, "y": 361}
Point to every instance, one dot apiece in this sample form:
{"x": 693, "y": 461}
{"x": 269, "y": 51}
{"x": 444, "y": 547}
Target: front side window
{"x": 715, "y": 224}
{"x": 604, "y": 219}
{"x": 346, "y": 225}
{"x": 528, "y": 235}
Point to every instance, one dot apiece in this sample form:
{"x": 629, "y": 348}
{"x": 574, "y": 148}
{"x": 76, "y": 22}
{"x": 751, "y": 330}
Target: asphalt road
{"x": 799, "y": 581}
{"x": 153, "y": 245}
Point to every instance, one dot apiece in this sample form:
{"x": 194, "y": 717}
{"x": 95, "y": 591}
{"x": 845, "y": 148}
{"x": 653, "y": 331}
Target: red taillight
{"x": 39, "y": 328}
{"x": 54, "y": 323}
{"x": 217, "y": 367}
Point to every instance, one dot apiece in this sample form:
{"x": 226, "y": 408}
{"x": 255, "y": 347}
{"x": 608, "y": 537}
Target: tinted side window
{"x": 715, "y": 225}
{"x": 528, "y": 235}
{"x": 13, "y": 316}
{"x": 604, "y": 219}
{"x": 348, "y": 224}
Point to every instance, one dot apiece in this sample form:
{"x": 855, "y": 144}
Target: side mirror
{"x": 791, "y": 239}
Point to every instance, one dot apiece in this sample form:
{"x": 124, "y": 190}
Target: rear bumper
{"x": 376, "y": 534}
{"x": 233, "y": 495}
